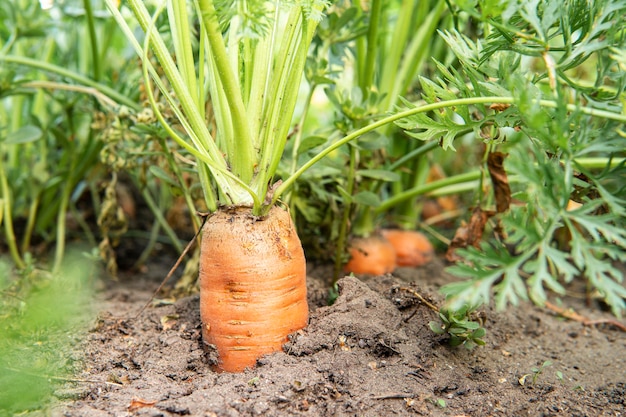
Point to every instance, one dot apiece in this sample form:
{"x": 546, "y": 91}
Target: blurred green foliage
{"x": 42, "y": 320}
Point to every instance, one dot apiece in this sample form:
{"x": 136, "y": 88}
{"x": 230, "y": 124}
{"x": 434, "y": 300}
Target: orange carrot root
{"x": 252, "y": 285}
{"x": 372, "y": 255}
{"x": 412, "y": 247}
{"x": 430, "y": 209}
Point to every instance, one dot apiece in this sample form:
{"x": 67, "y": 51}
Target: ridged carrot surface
{"x": 252, "y": 285}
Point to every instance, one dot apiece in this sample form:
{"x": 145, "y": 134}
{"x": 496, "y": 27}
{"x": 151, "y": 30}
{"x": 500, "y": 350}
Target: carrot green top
{"x": 250, "y": 58}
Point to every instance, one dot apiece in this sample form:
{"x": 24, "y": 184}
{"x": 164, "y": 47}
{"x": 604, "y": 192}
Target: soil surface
{"x": 369, "y": 354}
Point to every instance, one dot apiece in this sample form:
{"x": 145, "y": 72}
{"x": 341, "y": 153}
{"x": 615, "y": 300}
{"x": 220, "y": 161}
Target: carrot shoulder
{"x": 371, "y": 255}
{"x": 412, "y": 247}
{"x": 252, "y": 285}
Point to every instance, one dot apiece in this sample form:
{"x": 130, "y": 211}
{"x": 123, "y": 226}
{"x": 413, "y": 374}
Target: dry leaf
{"x": 138, "y": 403}
{"x": 477, "y": 225}
{"x": 501, "y": 189}
{"x": 499, "y": 106}
{"x": 169, "y": 321}
{"x": 342, "y": 343}
{"x": 469, "y": 234}
{"x": 458, "y": 241}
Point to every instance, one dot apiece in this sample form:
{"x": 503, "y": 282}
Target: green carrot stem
{"x": 426, "y": 108}
{"x": 372, "y": 47}
{"x": 467, "y": 181}
{"x": 242, "y": 140}
{"x": 81, "y": 79}
{"x": 426, "y": 188}
{"x": 30, "y": 221}
{"x": 417, "y": 51}
{"x": 343, "y": 227}
{"x": 93, "y": 40}
{"x": 7, "y": 218}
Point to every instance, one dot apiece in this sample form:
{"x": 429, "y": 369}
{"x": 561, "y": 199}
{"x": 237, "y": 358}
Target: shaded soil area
{"x": 369, "y": 354}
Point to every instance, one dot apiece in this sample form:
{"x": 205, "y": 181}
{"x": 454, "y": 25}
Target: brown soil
{"x": 369, "y": 354}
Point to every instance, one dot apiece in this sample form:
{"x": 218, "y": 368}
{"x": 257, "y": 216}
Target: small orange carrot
{"x": 371, "y": 255}
{"x": 412, "y": 247}
{"x": 430, "y": 209}
{"x": 252, "y": 285}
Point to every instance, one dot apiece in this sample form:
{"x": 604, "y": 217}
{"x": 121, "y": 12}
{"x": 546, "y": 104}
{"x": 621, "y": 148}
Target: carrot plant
{"x": 553, "y": 146}
{"x": 365, "y": 57}
{"x": 48, "y": 147}
{"x": 247, "y": 59}
{"x": 534, "y": 94}
{"x": 248, "y": 64}
{"x": 61, "y": 117}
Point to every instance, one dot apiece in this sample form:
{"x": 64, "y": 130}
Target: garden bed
{"x": 369, "y": 354}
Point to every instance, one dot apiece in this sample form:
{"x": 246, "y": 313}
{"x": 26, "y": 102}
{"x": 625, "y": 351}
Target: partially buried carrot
{"x": 412, "y": 247}
{"x": 371, "y": 255}
{"x": 252, "y": 285}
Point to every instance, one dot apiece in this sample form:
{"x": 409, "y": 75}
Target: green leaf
{"x": 162, "y": 175}
{"x": 458, "y": 332}
{"x": 310, "y": 142}
{"x": 479, "y": 334}
{"x": 379, "y": 174}
{"x": 455, "y": 341}
{"x": 367, "y": 198}
{"x": 345, "y": 195}
{"x": 470, "y": 325}
{"x": 541, "y": 275}
{"x": 436, "y": 327}
{"x": 26, "y": 134}
{"x": 373, "y": 141}
{"x": 600, "y": 228}
{"x": 447, "y": 125}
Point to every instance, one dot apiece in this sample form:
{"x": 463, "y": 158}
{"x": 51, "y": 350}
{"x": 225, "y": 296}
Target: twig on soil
{"x": 204, "y": 216}
{"x": 382, "y": 343}
{"x": 572, "y": 315}
{"x": 406, "y": 320}
{"x": 421, "y": 300}
{"x": 419, "y": 373}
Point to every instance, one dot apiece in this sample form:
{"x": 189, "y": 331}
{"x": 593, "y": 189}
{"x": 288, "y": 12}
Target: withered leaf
{"x": 138, "y": 403}
{"x": 477, "y": 225}
{"x": 501, "y": 189}
{"x": 458, "y": 241}
{"x": 169, "y": 321}
{"x": 499, "y": 106}
{"x": 469, "y": 234}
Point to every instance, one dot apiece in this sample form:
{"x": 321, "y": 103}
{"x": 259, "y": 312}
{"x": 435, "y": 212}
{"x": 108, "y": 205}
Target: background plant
{"x": 364, "y": 57}
{"x": 42, "y": 315}
{"x": 59, "y": 114}
{"x": 461, "y": 325}
{"x": 531, "y": 82}
{"x": 53, "y": 91}
{"x": 559, "y": 69}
